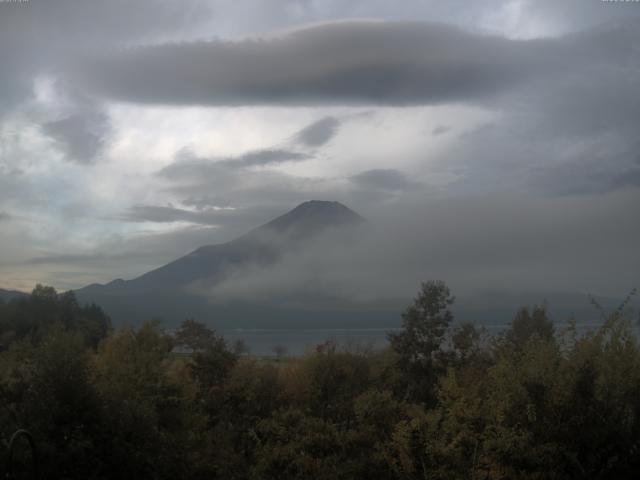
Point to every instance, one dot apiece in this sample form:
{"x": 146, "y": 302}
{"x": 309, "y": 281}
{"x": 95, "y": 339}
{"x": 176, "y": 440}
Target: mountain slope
{"x": 260, "y": 246}
{"x": 166, "y": 287}
{"x": 185, "y": 287}
{"x": 8, "y": 295}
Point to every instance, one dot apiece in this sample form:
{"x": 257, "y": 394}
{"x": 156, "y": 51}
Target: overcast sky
{"x": 499, "y": 136}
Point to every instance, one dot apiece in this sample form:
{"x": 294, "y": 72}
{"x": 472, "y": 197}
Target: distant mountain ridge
{"x": 162, "y": 292}
{"x": 259, "y": 246}
{"x": 310, "y": 218}
{"x": 168, "y": 292}
{"x": 8, "y": 295}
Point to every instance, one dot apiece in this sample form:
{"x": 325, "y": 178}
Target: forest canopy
{"x": 443, "y": 401}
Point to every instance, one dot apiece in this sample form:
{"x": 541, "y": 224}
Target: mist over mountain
{"x": 180, "y": 289}
{"x": 261, "y": 246}
{"x": 321, "y": 265}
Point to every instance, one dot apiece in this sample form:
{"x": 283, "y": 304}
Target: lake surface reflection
{"x": 263, "y": 342}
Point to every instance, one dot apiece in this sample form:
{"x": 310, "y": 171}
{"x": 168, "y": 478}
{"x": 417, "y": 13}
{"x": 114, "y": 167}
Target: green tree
{"x": 419, "y": 345}
{"x": 211, "y": 367}
{"x": 252, "y": 392}
{"x": 194, "y": 336}
{"x": 146, "y": 432}
{"x": 327, "y": 381}
{"x": 295, "y": 446}
{"x": 51, "y": 395}
{"x": 529, "y": 323}
{"x": 33, "y": 316}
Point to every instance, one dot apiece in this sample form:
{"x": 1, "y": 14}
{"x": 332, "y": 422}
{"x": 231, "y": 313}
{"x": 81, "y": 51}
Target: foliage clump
{"x": 443, "y": 401}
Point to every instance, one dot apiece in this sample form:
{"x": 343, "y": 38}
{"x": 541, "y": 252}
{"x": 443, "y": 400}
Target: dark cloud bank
{"x": 319, "y": 132}
{"x": 340, "y": 63}
{"x": 81, "y": 136}
{"x": 478, "y": 244}
{"x": 372, "y": 62}
{"x": 383, "y": 179}
{"x": 566, "y": 119}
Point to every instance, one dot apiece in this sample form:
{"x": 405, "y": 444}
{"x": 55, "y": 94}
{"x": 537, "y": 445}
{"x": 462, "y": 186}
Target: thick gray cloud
{"x": 78, "y": 259}
{"x": 197, "y": 170}
{"x": 517, "y": 18}
{"x": 4, "y": 216}
{"x": 478, "y": 243}
{"x": 81, "y": 136}
{"x": 228, "y": 193}
{"x": 603, "y": 171}
{"x": 119, "y": 256}
{"x": 339, "y": 63}
{"x": 204, "y": 183}
{"x": 152, "y": 213}
{"x": 39, "y": 37}
{"x": 189, "y": 167}
{"x": 386, "y": 179}
{"x": 383, "y": 63}
{"x": 206, "y": 216}
{"x": 319, "y": 132}
{"x": 557, "y": 139}
{"x": 234, "y": 198}
{"x": 571, "y": 132}
{"x": 440, "y": 130}
{"x": 261, "y": 158}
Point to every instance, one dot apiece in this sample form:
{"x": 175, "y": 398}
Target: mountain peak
{"x": 314, "y": 207}
{"x": 320, "y": 203}
{"x": 314, "y": 215}
{"x": 261, "y": 246}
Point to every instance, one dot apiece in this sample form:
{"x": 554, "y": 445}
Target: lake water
{"x": 262, "y": 342}
{"x": 296, "y": 342}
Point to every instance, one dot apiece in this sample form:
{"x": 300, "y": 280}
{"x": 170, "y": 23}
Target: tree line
{"x": 442, "y": 401}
